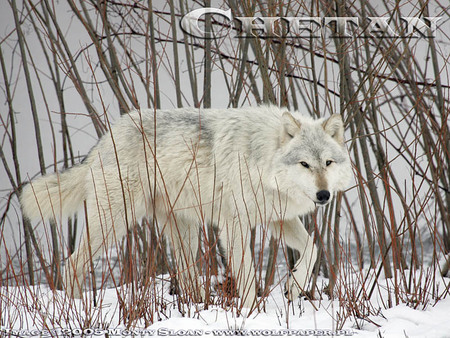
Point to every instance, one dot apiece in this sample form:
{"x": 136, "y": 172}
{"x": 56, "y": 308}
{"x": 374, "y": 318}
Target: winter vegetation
{"x": 70, "y": 69}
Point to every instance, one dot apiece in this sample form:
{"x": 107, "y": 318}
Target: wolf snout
{"x": 323, "y": 196}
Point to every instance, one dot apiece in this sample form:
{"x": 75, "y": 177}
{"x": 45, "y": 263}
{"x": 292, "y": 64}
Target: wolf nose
{"x": 323, "y": 196}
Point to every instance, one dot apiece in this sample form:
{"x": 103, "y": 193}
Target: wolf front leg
{"x": 295, "y": 236}
{"x": 183, "y": 235}
{"x": 235, "y": 238}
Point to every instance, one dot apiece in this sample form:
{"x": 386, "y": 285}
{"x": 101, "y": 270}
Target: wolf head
{"x": 313, "y": 162}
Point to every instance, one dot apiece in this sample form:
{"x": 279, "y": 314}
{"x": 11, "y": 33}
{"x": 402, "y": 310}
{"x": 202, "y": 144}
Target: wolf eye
{"x": 327, "y": 163}
{"x": 306, "y": 165}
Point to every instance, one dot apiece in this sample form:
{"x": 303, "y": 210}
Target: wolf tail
{"x": 54, "y": 195}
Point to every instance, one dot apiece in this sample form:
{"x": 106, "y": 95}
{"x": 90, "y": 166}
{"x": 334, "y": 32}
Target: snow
{"x": 405, "y": 321}
{"x": 33, "y": 311}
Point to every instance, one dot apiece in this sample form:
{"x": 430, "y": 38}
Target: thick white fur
{"x": 235, "y": 168}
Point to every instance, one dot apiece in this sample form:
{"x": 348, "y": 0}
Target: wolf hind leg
{"x": 183, "y": 235}
{"x": 295, "y": 236}
{"x": 106, "y": 226}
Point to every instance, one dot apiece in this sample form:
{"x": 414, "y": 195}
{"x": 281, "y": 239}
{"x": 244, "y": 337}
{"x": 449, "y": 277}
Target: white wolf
{"x": 234, "y": 168}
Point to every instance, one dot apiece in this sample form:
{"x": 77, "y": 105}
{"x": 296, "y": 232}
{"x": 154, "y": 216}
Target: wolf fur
{"x": 234, "y": 168}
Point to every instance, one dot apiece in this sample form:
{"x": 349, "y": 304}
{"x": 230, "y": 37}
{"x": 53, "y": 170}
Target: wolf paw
{"x": 291, "y": 289}
{"x": 196, "y": 293}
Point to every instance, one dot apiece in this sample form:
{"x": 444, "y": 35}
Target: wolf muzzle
{"x": 323, "y": 196}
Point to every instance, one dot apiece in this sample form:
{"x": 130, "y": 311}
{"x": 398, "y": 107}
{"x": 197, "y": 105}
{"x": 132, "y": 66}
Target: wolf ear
{"x": 290, "y": 125}
{"x": 334, "y": 126}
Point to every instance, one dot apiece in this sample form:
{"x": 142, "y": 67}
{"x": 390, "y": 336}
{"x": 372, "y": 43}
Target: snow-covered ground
{"x": 38, "y": 311}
